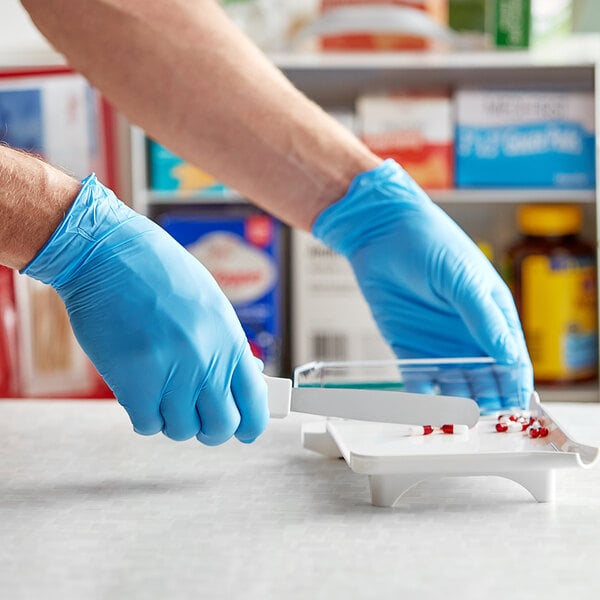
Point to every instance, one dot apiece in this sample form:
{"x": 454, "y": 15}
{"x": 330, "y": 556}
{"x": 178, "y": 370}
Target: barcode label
{"x": 330, "y": 347}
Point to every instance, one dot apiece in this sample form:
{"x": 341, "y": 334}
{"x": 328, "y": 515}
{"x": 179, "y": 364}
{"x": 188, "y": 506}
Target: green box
{"x": 526, "y": 23}
{"x": 467, "y": 15}
{"x": 513, "y": 23}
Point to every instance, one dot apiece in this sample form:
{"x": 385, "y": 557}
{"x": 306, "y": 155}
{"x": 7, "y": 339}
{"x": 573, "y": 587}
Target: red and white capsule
{"x": 511, "y": 426}
{"x": 454, "y": 428}
{"x": 420, "y": 429}
{"x": 448, "y": 428}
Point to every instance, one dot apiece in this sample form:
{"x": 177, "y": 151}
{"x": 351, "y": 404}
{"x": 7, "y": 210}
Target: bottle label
{"x": 559, "y": 312}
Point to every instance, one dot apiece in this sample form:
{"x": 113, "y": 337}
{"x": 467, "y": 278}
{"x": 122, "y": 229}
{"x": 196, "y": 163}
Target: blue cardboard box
{"x": 541, "y": 139}
{"x": 243, "y": 252}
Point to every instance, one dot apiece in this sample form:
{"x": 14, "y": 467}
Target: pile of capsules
{"x": 533, "y": 426}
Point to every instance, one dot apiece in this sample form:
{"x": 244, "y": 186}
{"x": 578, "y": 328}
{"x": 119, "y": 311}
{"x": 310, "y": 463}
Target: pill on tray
{"x": 511, "y": 426}
{"x": 454, "y": 428}
{"x": 420, "y": 429}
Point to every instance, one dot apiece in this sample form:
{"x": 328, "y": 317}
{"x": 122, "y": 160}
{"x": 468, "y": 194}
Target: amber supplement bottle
{"x": 552, "y": 273}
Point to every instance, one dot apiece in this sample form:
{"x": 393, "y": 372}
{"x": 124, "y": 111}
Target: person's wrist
{"x": 34, "y": 197}
{"x": 338, "y": 177}
{"x": 93, "y": 215}
{"x": 344, "y": 224}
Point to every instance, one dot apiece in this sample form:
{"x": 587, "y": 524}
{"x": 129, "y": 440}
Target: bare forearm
{"x": 186, "y": 75}
{"x": 34, "y": 198}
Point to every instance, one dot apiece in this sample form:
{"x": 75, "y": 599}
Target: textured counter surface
{"x": 90, "y": 510}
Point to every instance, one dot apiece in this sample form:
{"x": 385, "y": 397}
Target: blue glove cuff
{"x": 94, "y": 214}
{"x": 336, "y": 225}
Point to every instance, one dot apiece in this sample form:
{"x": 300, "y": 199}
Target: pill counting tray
{"x": 395, "y": 461}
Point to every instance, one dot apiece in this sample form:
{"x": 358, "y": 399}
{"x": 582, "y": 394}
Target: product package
{"x": 51, "y": 362}
{"x": 415, "y": 130}
{"x": 420, "y": 20}
{"x": 552, "y": 273}
{"x": 331, "y": 320}
{"x": 525, "y": 23}
{"x": 169, "y": 173}
{"x": 243, "y": 250}
{"x": 469, "y": 15}
{"x": 512, "y": 23}
{"x": 525, "y": 139}
{"x": 58, "y": 116}
{"x": 9, "y": 375}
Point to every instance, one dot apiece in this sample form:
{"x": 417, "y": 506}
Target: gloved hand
{"x": 430, "y": 289}
{"x": 154, "y": 323}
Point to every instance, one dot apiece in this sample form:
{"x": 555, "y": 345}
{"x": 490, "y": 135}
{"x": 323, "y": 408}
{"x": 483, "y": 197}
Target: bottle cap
{"x": 549, "y": 219}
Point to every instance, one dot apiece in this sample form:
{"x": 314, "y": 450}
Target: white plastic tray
{"x": 395, "y": 461}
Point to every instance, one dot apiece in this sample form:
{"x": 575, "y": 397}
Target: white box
{"x": 56, "y": 116}
{"x": 330, "y": 318}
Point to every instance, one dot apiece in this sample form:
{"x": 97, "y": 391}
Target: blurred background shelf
{"x": 509, "y": 195}
{"x": 449, "y": 196}
{"x": 335, "y": 81}
{"x": 585, "y": 392}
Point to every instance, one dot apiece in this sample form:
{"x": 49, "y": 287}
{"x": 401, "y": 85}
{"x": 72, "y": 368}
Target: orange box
{"x": 379, "y": 41}
{"x": 415, "y": 130}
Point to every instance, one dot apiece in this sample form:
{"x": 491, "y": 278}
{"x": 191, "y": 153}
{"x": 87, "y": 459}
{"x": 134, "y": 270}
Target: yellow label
{"x": 559, "y": 312}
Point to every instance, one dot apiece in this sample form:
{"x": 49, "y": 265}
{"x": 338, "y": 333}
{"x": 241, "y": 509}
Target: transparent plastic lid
{"x": 494, "y": 387}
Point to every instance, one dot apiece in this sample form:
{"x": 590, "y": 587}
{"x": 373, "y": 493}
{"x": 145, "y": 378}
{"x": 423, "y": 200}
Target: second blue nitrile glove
{"x": 154, "y": 323}
{"x": 430, "y": 289}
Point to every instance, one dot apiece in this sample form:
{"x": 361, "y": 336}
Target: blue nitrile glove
{"x": 430, "y": 289}
{"x": 154, "y": 323}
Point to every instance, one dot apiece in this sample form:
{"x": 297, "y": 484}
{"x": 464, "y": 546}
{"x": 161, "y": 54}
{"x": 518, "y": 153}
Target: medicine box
{"x": 57, "y": 116}
{"x": 330, "y": 318}
{"x": 512, "y": 23}
{"x": 169, "y": 173}
{"x": 243, "y": 250}
{"x": 525, "y": 139}
{"x": 468, "y": 15}
{"x": 413, "y": 37}
{"x": 415, "y": 130}
{"x": 525, "y": 23}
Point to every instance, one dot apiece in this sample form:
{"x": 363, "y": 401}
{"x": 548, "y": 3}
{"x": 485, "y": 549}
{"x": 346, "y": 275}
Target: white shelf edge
{"x": 30, "y": 59}
{"x": 512, "y": 196}
{"x": 588, "y": 392}
{"x": 576, "y": 51}
{"x": 454, "y": 196}
{"x": 179, "y": 198}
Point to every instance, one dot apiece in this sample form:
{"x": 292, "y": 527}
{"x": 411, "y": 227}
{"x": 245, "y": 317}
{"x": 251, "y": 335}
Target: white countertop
{"x": 90, "y": 510}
